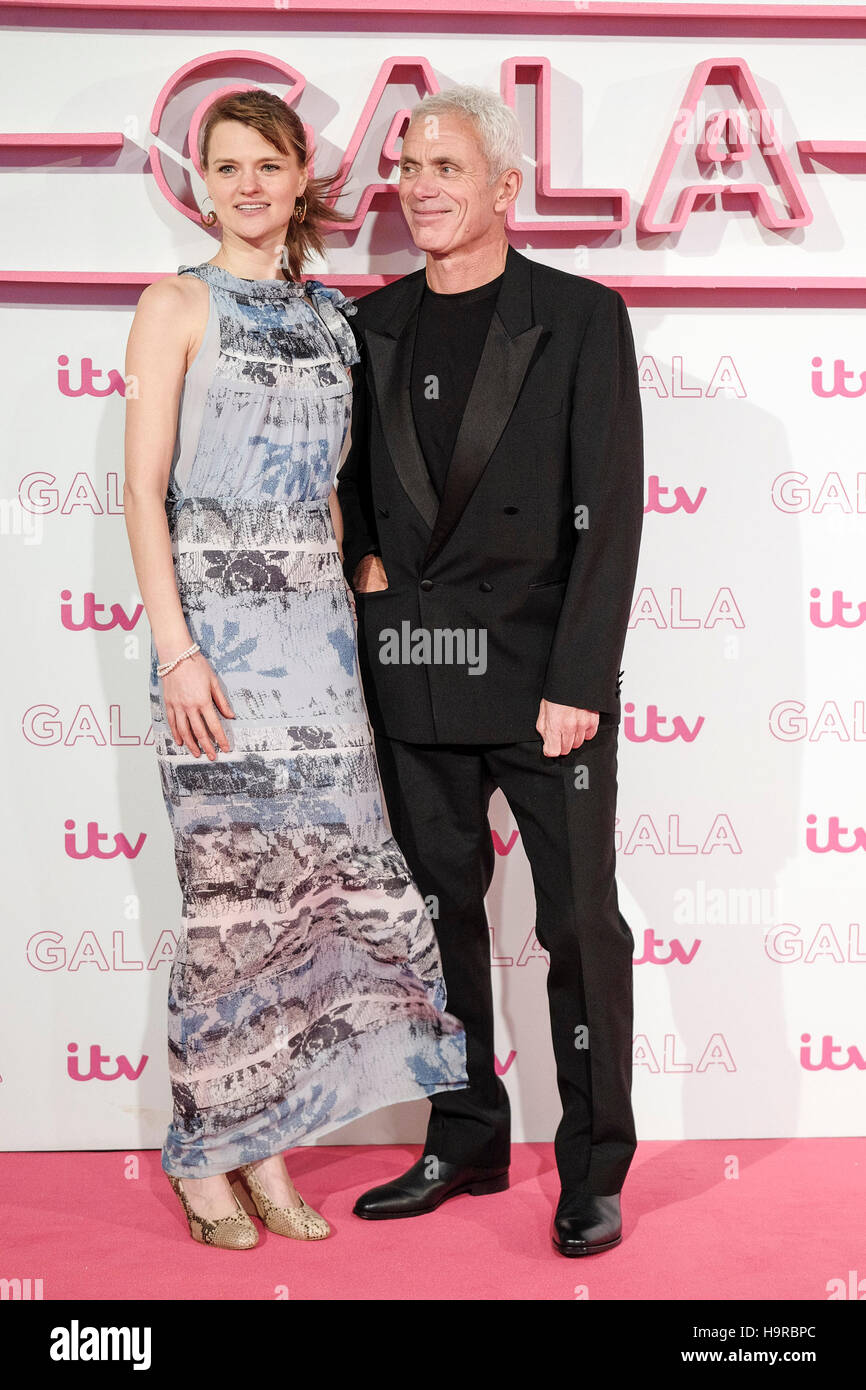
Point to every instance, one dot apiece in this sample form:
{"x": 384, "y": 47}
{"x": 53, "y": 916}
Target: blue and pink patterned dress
{"x": 307, "y": 986}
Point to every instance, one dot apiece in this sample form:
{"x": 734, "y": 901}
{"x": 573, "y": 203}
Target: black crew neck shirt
{"x": 448, "y": 343}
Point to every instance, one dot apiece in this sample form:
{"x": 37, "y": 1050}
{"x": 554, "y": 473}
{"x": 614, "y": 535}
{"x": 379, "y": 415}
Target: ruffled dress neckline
{"x": 264, "y": 289}
{"x": 329, "y": 303}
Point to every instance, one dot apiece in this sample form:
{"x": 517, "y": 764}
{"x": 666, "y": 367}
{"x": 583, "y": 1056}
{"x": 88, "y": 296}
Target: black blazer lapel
{"x": 390, "y": 355}
{"x": 509, "y": 347}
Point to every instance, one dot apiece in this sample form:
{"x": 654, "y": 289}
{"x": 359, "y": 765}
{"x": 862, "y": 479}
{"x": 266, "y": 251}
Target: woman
{"x": 307, "y": 987}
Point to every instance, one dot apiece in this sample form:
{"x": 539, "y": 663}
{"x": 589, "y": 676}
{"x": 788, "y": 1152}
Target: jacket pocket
{"x": 537, "y": 410}
{"x": 549, "y": 584}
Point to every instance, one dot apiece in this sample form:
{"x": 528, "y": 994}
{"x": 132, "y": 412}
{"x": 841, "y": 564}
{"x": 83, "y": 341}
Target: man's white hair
{"x": 498, "y": 128}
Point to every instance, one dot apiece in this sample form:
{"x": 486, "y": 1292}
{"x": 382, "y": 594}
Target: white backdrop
{"x": 748, "y": 936}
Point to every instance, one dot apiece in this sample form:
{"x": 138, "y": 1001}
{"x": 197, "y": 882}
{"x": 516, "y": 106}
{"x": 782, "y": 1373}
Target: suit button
{"x": 426, "y": 584}
{"x": 485, "y": 587}
{"x": 511, "y": 511}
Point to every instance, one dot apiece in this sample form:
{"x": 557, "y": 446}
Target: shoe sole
{"x": 589, "y": 1249}
{"x": 484, "y": 1188}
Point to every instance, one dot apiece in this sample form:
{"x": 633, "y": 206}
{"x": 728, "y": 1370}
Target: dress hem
{"x": 283, "y": 1142}
{"x": 268, "y": 1135}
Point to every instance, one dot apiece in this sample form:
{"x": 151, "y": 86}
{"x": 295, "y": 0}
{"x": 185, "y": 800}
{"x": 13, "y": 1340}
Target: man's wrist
{"x": 371, "y": 554}
{"x": 574, "y": 703}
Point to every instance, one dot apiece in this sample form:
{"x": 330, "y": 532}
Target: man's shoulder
{"x": 565, "y": 289}
{"x": 556, "y": 291}
{"x": 377, "y": 305}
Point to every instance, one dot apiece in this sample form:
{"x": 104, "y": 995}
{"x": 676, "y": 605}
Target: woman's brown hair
{"x": 283, "y": 128}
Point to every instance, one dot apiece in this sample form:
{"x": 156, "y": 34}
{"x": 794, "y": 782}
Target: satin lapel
{"x": 391, "y": 363}
{"x": 508, "y": 350}
{"x": 501, "y": 370}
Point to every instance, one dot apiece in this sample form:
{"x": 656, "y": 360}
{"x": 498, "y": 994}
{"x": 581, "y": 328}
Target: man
{"x": 493, "y": 503}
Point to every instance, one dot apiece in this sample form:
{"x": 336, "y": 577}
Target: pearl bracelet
{"x": 167, "y": 666}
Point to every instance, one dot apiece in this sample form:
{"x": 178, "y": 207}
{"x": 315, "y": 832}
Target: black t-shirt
{"x": 448, "y": 343}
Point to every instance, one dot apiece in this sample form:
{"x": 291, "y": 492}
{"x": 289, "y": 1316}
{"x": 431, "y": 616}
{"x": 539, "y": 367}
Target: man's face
{"x": 446, "y": 199}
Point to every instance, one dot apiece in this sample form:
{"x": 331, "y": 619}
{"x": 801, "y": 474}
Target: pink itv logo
{"x": 88, "y": 374}
{"x": 93, "y": 848}
{"x": 682, "y": 501}
{"x": 676, "y": 950}
{"x": 840, "y": 376}
{"x": 653, "y": 726}
{"x": 839, "y": 605}
{"x": 89, "y": 609}
{"x": 835, "y": 842}
{"x": 829, "y": 1050}
{"x": 123, "y": 1068}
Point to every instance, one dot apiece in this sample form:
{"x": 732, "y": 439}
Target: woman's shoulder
{"x": 170, "y": 318}
{"x": 164, "y": 296}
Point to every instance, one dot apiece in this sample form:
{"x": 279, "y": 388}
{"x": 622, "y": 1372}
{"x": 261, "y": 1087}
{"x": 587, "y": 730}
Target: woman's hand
{"x": 191, "y": 692}
{"x": 350, "y": 595}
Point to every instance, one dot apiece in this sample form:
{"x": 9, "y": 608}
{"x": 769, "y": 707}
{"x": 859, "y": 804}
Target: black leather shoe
{"x": 586, "y": 1225}
{"x": 425, "y": 1187}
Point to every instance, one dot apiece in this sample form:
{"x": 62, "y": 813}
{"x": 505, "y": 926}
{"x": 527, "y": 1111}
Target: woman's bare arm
{"x": 337, "y": 519}
{"x": 333, "y": 502}
{"x": 156, "y": 357}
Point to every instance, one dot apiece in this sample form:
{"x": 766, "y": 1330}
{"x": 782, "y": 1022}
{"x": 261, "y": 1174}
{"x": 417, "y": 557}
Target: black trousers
{"x": 437, "y": 797}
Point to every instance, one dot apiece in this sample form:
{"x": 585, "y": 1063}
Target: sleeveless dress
{"x": 307, "y": 986}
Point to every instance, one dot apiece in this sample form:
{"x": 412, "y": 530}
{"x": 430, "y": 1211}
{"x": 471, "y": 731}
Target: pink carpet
{"x": 790, "y": 1222}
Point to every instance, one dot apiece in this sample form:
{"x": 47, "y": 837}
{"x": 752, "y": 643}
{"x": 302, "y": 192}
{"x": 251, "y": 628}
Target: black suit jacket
{"x": 553, "y": 423}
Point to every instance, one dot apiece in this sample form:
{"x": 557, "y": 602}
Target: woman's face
{"x": 253, "y": 185}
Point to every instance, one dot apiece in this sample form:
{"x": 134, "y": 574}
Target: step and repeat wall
{"x": 718, "y": 180}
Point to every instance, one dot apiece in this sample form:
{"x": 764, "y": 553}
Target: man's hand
{"x": 370, "y": 576}
{"x": 563, "y": 727}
